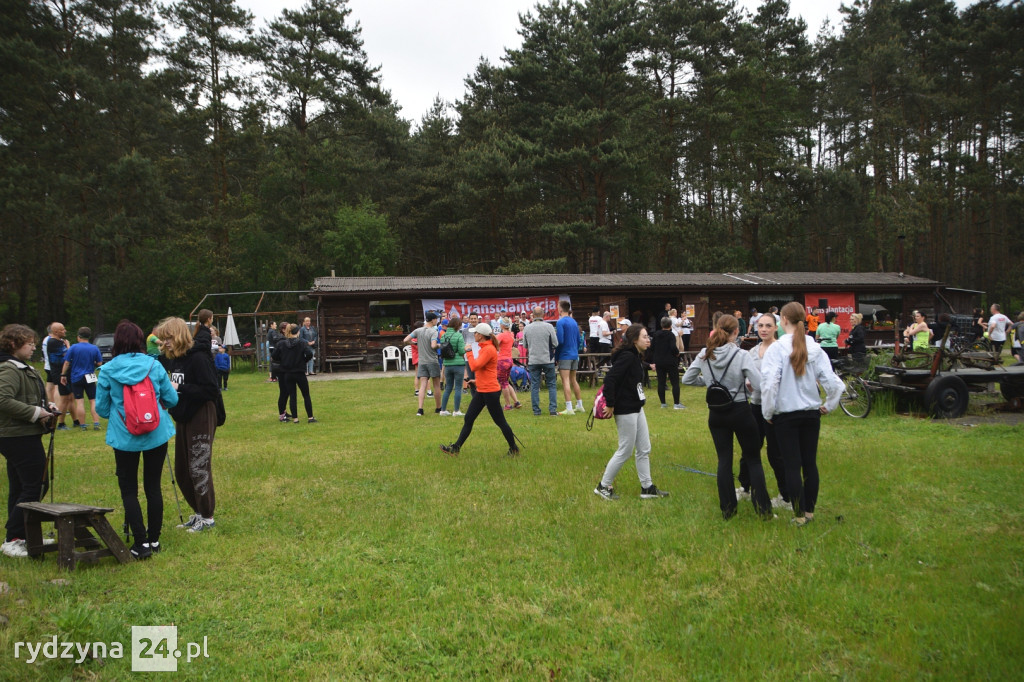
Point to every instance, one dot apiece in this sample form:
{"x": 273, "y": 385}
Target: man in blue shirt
{"x": 567, "y": 356}
{"x": 79, "y": 373}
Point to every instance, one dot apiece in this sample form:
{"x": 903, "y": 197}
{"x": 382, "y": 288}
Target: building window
{"x": 390, "y": 318}
{"x": 880, "y": 311}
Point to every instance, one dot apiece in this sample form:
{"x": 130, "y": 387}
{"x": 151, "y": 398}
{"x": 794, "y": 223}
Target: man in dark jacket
{"x": 665, "y": 347}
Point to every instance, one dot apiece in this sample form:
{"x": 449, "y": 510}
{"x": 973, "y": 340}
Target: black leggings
{"x": 797, "y": 435}
{"x": 26, "y": 466}
{"x": 128, "y": 482}
{"x": 767, "y": 432}
{"x": 724, "y": 424}
{"x": 289, "y": 382}
{"x": 493, "y": 403}
{"x": 671, "y": 372}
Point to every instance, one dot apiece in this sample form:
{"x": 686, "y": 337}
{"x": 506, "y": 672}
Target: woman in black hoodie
{"x": 197, "y": 415}
{"x": 624, "y": 395}
{"x": 292, "y": 354}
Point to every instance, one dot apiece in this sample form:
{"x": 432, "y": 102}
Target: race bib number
{"x": 90, "y": 378}
{"x": 640, "y": 392}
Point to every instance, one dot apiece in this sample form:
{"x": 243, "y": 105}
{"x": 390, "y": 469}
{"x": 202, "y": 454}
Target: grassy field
{"x": 354, "y": 549}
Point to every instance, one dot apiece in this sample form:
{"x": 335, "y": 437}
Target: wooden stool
{"x": 72, "y": 522}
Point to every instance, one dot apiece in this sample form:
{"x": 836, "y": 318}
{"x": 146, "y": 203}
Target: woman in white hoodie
{"x": 791, "y": 370}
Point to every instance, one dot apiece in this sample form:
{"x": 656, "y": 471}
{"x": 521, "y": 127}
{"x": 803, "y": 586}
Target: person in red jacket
{"x": 482, "y": 358}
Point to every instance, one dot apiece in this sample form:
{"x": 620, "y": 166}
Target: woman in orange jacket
{"x": 483, "y": 360}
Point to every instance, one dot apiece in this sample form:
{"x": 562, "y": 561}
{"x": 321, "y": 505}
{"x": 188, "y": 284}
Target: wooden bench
{"x": 72, "y": 522}
{"x": 352, "y": 361}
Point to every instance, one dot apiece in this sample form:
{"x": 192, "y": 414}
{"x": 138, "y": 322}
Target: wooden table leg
{"x": 33, "y": 534}
{"x": 65, "y": 542}
{"x": 110, "y": 538}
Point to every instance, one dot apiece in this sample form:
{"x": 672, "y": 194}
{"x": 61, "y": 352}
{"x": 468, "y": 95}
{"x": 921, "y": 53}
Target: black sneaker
{"x": 512, "y": 452}
{"x": 450, "y": 449}
{"x": 651, "y": 492}
{"x": 419, "y": 413}
{"x": 140, "y": 552}
{"x": 154, "y": 547}
{"x": 312, "y": 420}
{"x": 607, "y": 493}
{"x": 437, "y": 410}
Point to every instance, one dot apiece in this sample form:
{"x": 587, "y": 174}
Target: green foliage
{"x": 361, "y": 244}
{"x": 153, "y": 153}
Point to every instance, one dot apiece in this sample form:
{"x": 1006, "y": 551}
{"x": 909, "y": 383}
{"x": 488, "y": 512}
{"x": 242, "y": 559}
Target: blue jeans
{"x": 551, "y": 377}
{"x": 452, "y": 382}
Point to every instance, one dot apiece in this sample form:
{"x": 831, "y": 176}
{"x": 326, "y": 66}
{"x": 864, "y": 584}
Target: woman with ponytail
{"x": 791, "y": 370}
{"x": 723, "y": 362}
{"x": 482, "y": 358}
{"x": 623, "y": 392}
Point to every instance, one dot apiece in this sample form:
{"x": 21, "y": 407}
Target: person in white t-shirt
{"x": 594, "y": 337}
{"x": 998, "y": 325}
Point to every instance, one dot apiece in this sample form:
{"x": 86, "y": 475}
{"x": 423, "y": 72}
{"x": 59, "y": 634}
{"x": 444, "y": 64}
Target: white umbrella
{"x": 230, "y": 337}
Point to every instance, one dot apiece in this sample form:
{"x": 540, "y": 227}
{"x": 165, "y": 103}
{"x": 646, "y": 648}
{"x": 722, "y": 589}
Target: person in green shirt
{"x": 454, "y": 368}
{"x": 828, "y": 336}
{"x": 153, "y": 345}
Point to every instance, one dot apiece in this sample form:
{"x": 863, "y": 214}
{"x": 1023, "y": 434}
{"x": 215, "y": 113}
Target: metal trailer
{"x": 945, "y": 393}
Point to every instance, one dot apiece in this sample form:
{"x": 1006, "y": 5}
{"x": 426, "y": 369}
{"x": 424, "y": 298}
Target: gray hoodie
{"x": 740, "y": 370}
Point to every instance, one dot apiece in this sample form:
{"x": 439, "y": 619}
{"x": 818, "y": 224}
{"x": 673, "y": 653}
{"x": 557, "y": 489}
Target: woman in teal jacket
{"x": 129, "y": 366}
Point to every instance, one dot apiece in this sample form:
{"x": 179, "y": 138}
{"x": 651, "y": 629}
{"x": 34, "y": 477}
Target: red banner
{"x": 843, "y": 305}
{"x": 489, "y": 308}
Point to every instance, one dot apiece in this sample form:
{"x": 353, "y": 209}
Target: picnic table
{"x": 590, "y": 365}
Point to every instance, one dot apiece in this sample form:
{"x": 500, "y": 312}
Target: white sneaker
{"x": 579, "y": 406}
{"x": 742, "y": 494}
{"x": 15, "y": 549}
{"x": 201, "y": 525}
{"x": 567, "y": 412}
{"x": 457, "y": 413}
{"x": 445, "y": 413}
{"x": 679, "y": 406}
{"x": 192, "y": 520}
{"x": 779, "y": 503}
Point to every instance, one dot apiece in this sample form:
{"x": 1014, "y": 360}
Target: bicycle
{"x": 856, "y": 398}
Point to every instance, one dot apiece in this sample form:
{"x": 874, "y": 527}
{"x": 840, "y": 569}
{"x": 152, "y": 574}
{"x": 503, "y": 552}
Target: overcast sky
{"x": 426, "y": 48}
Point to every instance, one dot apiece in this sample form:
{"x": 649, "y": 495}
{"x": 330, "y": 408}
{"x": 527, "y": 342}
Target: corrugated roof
{"x": 623, "y": 281}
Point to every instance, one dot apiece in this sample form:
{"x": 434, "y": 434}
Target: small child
{"x": 223, "y": 363}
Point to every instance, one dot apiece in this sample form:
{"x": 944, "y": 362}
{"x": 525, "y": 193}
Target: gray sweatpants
{"x": 632, "y": 434}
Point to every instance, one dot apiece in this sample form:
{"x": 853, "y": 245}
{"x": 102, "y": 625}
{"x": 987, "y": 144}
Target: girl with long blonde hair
{"x": 791, "y": 370}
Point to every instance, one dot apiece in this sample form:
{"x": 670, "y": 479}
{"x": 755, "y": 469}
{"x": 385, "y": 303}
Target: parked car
{"x": 105, "y": 342}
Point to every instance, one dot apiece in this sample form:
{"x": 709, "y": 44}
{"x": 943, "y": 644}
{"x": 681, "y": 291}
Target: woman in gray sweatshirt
{"x": 723, "y": 362}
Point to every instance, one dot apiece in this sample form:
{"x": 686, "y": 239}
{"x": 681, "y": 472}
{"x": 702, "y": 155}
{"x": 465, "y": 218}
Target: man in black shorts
{"x": 80, "y": 365}
{"x": 56, "y": 392}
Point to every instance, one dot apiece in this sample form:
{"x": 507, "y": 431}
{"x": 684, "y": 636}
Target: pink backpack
{"x": 141, "y": 409}
{"x": 598, "y": 410}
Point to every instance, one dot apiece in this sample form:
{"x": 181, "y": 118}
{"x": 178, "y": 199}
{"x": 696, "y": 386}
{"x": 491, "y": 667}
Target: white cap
{"x": 483, "y": 329}
{"x": 625, "y": 321}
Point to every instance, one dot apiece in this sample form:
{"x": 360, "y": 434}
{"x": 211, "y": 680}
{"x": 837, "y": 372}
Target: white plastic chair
{"x": 391, "y": 353}
{"x": 407, "y": 352}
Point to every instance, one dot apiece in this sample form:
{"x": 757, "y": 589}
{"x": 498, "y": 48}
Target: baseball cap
{"x": 483, "y": 329}
{"x": 430, "y": 317}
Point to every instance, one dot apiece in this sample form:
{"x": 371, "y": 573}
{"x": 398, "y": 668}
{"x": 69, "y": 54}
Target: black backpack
{"x": 447, "y": 350}
{"x": 718, "y": 397}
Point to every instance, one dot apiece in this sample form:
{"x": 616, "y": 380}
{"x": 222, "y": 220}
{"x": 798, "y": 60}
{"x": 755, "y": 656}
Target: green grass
{"x": 353, "y": 549}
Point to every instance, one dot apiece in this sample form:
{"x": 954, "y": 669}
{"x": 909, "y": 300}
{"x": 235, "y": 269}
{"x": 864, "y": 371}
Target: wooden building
{"x": 359, "y": 316}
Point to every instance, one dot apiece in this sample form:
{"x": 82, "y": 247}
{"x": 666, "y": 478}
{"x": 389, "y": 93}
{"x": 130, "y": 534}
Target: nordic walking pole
{"x": 174, "y": 489}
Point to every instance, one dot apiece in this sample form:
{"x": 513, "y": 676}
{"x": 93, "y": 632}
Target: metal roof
{"x": 620, "y": 281}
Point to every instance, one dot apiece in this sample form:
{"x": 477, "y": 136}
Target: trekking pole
{"x": 48, "y": 473}
{"x": 174, "y": 489}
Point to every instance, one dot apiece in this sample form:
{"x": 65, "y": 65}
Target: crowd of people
{"x": 153, "y": 389}
{"x": 766, "y": 397}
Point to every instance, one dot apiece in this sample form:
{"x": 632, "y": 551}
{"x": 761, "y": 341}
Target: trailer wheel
{"x": 1012, "y": 390}
{"x": 946, "y": 397}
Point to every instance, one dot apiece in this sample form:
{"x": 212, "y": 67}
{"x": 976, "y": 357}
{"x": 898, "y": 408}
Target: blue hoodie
{"x": 129, "y": 369}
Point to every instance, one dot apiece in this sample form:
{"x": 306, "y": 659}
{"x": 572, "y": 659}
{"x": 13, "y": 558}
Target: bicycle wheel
{"x": 856, "y": 398}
